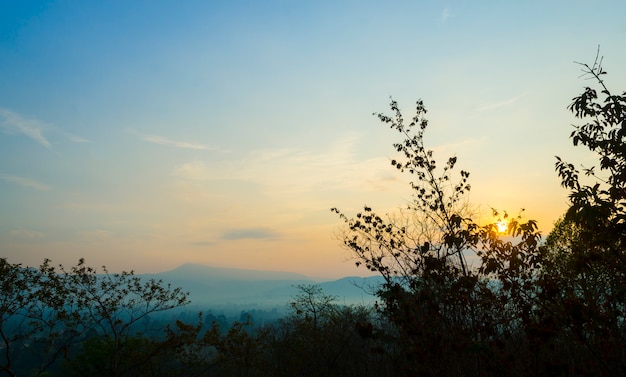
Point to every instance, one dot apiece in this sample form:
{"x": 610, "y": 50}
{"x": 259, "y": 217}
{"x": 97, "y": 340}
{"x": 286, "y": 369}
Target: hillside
{"x": 215, "y": 286}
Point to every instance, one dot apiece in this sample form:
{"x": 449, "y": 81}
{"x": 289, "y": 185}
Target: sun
{"x": 503, "y": 226}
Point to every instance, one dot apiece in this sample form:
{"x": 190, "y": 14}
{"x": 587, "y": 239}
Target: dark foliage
{"x": 527, "y": 308}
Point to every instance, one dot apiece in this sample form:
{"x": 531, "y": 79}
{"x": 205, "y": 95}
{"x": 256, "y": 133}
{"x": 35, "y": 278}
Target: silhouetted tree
{"x": 51, "y": 313}
{"x": 443, "y": 308}
{"x": 38, "y": 324}
{"x": 112, "y": 308}
{"x": 584, "y": 281}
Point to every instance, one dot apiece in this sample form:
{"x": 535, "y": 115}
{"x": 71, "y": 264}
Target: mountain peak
{"x": 194, "y": 270}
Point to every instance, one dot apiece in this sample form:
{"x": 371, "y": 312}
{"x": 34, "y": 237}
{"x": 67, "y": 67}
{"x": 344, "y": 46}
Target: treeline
{"x": 78, "y": 322}
{"x": 459, "y": 299}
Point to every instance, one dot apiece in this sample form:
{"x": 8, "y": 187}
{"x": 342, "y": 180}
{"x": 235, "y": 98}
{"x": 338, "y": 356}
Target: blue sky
{"x": 146, "y": 134}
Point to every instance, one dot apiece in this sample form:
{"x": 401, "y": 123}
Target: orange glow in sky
{"x": 502, "y": 226}
{"x": 146, "y": 135}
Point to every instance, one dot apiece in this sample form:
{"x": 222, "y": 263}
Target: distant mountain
{"x": 353, "y": 289}
{"x": 214, "y": 287}
{"x": 201, "y": 272}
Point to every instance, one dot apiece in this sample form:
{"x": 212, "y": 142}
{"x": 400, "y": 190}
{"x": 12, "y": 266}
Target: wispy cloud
{"x": 203, "y": 243}
{"x": 88, "y": 206}
{"x": 13, "y": 123}
{"x": 290, "y": 170}
{"x": 445, "y": 14}
{"x": 97, "y": 234}
{"x": 25, "y": 182}
{"x": 26, "y": 233}
{"x": 498, "y": 104}
{"x": 194, "y": 171}
{"x": 77, "y": 139}
{"x": 161, "y": 140}
{"x": 249, "y": 233}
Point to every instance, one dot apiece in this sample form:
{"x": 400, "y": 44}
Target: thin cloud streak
{"x": 445, "y": 14}
{"x": 203, "y": 243}
{"x": 25, "y": 182}
{"x": 496, "y": 105}
{"x": 155, "y": 139}
{"x": 97, "y": 234}
{"x": 77, "y": 139}
{"x": 26, "y": 233}
{"x": 282, "y": 171}
{"x": 13, "y": 123}
{"x": 249, "y": 233}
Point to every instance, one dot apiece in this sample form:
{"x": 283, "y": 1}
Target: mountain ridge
{"x": 211, "y": 272}
{"x": 217, "y": 286}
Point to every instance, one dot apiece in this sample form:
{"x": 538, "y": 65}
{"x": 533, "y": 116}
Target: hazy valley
{"x": 217, "y": 288}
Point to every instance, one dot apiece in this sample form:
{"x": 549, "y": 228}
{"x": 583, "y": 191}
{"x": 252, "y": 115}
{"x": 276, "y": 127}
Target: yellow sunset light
{"x": 502, "y": 226}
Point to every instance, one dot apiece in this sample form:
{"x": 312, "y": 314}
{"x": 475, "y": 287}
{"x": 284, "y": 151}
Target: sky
{"x": 143, "y": 135}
